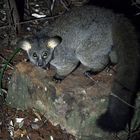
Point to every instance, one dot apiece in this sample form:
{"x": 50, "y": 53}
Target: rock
{"x": 75, "y": 103}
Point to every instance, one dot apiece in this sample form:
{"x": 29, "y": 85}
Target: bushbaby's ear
{"x": 24, "y": 44}
{"x": 53, "y": 42}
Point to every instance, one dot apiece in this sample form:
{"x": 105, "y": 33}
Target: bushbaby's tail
{"x": 120, "y": 108}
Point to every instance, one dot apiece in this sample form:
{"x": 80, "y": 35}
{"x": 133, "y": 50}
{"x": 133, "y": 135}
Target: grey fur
{"x": 126, "y": 81}
{"x": 94, "y": 36}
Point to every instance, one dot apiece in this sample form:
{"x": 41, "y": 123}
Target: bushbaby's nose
{"x": 40, "y": 63}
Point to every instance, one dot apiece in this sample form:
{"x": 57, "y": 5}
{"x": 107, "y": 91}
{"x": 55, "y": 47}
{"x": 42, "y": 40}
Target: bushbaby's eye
{"x": 34, "y": 54}
{"x": 45, "y": 55}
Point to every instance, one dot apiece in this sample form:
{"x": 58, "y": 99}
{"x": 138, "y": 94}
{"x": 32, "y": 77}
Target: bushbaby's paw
{"x": 57, "y": 78}
{"x": 89, "y": 73}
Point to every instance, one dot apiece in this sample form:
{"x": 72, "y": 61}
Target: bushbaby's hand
{"x": 90, "y": 73}
{"x": 57, "y": 78}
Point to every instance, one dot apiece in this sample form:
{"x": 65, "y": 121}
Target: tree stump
{"x": 75, "y": 103}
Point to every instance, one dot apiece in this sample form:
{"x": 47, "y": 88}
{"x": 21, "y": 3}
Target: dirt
{"x": 17, "y": 124}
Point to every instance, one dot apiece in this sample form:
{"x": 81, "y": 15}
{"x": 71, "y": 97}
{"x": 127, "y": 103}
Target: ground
{"x": 29, "y": 124}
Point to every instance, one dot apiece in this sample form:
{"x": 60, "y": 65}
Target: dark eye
{"x": 34, "y": 54}
{"x": 45, "y": 55}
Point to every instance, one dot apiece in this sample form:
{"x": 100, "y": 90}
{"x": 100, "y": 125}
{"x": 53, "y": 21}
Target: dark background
{"x": 119, "y": 6}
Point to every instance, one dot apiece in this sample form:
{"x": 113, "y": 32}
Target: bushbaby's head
{"x": 39, "y": 50}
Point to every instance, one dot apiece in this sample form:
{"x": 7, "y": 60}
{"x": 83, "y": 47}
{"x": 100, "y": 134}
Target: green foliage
{"x": 5, "y": 67}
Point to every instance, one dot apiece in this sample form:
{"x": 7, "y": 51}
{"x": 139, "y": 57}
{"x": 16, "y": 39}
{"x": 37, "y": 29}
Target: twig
{"x": 115, "y": 135}
{"x": 28, "y": 21}
{"x": 27, "y": 4}
{"x": 64, "y": 5}
{"x": 4, "y": 90}
{"x": 136, "y": 5}
{"x": 45, "y": 18}
{"x": 96, "y": 82}
{"x": 114, "y": 95}
{"x": 9, "y": 65}
{"x": 52, "y": 5}
{"x": 134, "y": 133}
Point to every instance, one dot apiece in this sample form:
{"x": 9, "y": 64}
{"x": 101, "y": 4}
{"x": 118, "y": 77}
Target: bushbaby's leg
{"x": 95, "y": 63}
{"x": 94, "y": 55}
{"x": 113, "y": 59}
{"x": 64, "y": 69}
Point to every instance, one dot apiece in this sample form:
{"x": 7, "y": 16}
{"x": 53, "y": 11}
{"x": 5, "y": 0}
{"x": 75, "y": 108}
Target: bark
{"x": 75, "y": 103}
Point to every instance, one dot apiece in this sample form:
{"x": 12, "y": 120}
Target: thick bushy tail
{"x": 111, "y": 123}
{"x": 118, "y": 114}
{"x": 125, "y": 86}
